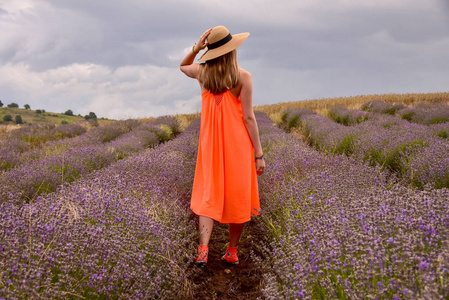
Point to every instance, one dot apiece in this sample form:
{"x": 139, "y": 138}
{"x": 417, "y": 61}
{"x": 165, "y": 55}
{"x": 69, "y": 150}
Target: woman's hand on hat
{"x": 202, "y": 41}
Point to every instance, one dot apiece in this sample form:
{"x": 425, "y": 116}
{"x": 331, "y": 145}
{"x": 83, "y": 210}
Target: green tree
{"x": 27, "y": 106}
{"x": 18, "y": 119}
{"x": 91, "y": 115}
{"x": 38, "y": 111}
{"x": 69, "y": 113}
{"x": 13, "y": 105}
{"x": 7, "y": 118}
{"x": 1, "y": 103}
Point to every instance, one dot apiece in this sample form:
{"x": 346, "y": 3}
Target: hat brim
{"x": 234, "y": 43}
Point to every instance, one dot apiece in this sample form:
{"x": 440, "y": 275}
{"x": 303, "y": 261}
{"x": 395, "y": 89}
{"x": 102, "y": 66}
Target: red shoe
{"x": 230, "y": 256}
{"x": 201, "y": 259}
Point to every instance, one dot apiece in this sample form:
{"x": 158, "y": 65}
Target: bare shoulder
{"x": 245, "y": 80}
{"x": 245, "y": 76}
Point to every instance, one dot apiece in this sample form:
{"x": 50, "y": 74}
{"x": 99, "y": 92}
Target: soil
{"x": 222, "y": 281}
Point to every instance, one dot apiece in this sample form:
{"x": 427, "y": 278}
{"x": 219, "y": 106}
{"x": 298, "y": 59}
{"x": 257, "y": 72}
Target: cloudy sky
{"x": 120, "y": 58}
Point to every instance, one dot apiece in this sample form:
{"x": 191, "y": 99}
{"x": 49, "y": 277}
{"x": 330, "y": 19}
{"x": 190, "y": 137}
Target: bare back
{"x": 235, "y": 91}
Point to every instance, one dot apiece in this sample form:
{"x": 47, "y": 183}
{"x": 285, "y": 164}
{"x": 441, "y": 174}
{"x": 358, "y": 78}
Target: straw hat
{"x": 222, "y": 42}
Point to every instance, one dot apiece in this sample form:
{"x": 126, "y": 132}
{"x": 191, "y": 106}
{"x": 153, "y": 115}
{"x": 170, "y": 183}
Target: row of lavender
{"x": 40, "y": 133}
{"x": 32, "y": 142}
{"x": 15, "y": 143}
{"x": 44, "y": 169}
{"x": 418, "y": 153}
{"x": 123, "y": 232}
{"x": 27, "y": 143}
{"x": 338, "y": 228}
{"x": 422, "y": 113}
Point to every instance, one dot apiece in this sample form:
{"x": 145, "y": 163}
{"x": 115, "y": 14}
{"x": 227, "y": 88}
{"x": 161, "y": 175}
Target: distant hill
{"x": 30, "y": 116}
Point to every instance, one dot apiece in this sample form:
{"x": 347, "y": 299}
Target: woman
{"x": 225, "y": 186}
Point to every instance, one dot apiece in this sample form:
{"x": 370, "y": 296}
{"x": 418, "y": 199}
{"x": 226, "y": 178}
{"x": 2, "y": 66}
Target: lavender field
{"x": 55, "y": 163}
{"x": 357, "y": 208}
{"x": 416, "y": 149}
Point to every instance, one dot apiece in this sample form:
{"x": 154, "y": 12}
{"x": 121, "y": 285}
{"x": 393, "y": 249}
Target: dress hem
{"x": 224, "y": 221}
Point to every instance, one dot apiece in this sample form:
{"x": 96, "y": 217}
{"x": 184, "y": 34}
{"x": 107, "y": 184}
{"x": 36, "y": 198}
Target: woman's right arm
{"x": 187, "y": 66}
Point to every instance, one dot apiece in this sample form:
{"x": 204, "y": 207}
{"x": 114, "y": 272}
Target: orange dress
{"x": 225, "y": 186}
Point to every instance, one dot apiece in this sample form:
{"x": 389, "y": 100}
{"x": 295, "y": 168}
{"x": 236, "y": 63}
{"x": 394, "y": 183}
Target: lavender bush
{"x": 430, "y": 166}
{"x": 10, "y": 151}
{"x": 328, "y": 136}
{"x": 121, "y": 232}
{"x": 112, "y": 131}
{"x": 440, "y": 130}
{"x": 66, "y": 137}
{"x": 406, "y": 113}
{"x": 423, "y": 113}
{"x": 340, "y": 229}
{"x": 134, "y": 141}
{"x": 168, "y": 122}
{"x": 67, "y": 131}
{"x": 426, "y": 113}
{"x": 382, "y": 107}
{"x": 30, "y": 132}
{"x": 346, "y": 116}
{"x": 290, "y": 117}
{"x": 399, "y": 145}
{"x": 37, "y": 134}
{"x": 388, "y": 141}
{"x": 67, "y": 164}
{"x": 33, "y": 137}
{"x": 332, "y": 226}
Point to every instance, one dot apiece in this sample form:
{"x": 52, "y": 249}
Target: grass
{"x": 186, "y": 119}
{"x": 394, "y": 159}
{"x": 346, "y": 146}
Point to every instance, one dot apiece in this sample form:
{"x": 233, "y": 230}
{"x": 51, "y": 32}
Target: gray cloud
{"x": 121, "y": 58}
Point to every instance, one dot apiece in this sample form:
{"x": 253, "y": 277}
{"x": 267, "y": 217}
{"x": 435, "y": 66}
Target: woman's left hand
{"x": 260, "y": 166}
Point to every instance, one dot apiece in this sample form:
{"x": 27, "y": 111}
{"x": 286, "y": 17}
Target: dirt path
{"x": 219, "y": 281}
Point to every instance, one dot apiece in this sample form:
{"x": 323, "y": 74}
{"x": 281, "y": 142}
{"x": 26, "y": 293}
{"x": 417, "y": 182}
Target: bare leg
{"x": 235, "y": 231}
{"x": 206, "y": 225}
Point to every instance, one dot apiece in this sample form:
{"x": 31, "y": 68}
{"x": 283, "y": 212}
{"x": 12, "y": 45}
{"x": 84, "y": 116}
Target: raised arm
{"x": 187, "y": 66}
{"x": 246, "y": 97}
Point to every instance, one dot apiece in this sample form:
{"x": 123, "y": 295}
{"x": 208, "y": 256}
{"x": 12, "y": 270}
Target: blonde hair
{"x": 221, "y": 73}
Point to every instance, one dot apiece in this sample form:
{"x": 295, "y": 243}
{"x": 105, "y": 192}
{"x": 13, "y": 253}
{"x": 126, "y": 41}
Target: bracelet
{"x": 193, "y": 49}
{"x": 259, "y": 157}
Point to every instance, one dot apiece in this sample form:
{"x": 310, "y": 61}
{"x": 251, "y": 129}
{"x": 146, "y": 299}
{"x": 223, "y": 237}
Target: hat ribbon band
{"x": 220, "y": 42}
